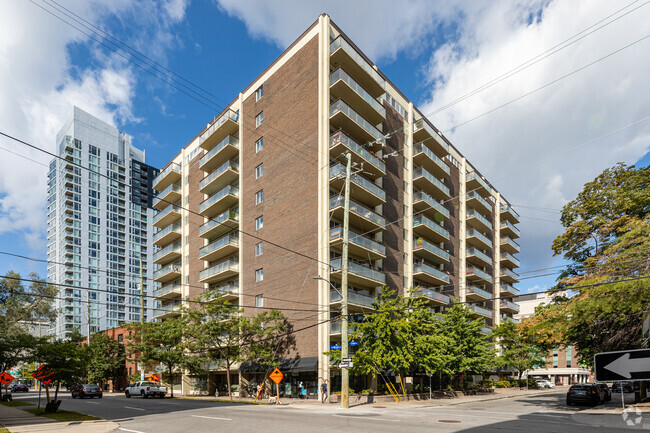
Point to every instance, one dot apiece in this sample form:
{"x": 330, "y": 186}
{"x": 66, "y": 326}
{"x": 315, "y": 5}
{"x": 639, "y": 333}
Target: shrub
{"x": 366, "y": 391}
{"x": 487, "y": 383}
{"x": 502, "y": 384}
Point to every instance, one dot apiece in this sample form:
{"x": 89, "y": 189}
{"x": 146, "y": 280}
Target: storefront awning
{"x": 286, "y": 365}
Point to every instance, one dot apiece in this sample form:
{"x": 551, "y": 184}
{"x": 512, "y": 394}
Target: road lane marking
{"x": 91, "y": 402}
{"x": 363, "y": 418}
{"x": 132, "y": 431}
{"x": 134, "y": 408}
{"x": 211, "y": 417}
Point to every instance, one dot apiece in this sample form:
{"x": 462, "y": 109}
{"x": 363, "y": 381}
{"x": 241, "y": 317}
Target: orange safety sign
{"x": 6, "y": 378}
{"x": 276, "y": 376}
{"x": 154, "y": 378}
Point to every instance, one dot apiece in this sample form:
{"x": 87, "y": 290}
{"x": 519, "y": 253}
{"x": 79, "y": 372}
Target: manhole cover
{"x": 448, "y": 420}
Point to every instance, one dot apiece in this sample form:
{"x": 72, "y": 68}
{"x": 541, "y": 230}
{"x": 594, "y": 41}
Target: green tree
{"x": 14, "y": 349}
{"x": 20, "y": 303}
{"x": 107, "y": 358}
{"x": 519, "y": 350}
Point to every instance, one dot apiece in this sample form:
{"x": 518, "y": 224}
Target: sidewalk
{"x": 20, "y": 421}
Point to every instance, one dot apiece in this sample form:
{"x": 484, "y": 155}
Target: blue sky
{"x": 432, "y": 51}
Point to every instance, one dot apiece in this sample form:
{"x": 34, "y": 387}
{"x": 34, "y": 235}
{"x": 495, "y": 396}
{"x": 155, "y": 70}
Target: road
{"x": 543, "y": 413}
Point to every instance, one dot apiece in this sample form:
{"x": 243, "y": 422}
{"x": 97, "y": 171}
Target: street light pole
{"x": 345, "y": 374}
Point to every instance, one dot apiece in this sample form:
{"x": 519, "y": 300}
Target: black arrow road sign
{"x": 623, "y": 365}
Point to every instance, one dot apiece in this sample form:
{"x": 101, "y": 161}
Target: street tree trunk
{"x": 228, "y": 379}
{"x": 171, "y": 380}
{"x": 56, "y": 392}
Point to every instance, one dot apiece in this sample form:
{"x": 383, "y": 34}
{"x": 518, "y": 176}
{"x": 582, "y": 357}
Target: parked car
{"x": 544, "y": 383}
{"x": 145, "y": 389}
{"x": 19, "y": 387}
{"x": 86, "y": 390}
{"x": 590, "y": 393}
{"x": 607, "y": 389}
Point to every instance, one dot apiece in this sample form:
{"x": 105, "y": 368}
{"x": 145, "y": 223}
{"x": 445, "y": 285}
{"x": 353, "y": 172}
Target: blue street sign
{"x": 354, "y": 343}
{"x": 335, "y": 347}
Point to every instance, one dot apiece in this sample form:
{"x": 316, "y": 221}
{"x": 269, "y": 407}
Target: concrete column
{"x": 408, "y": 199}
{"x": 496, "y": 248}
{"x": 462, "y": 235}
{"x": 242, "y": 169}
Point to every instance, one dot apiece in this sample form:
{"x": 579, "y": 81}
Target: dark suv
{"x": 606, "y": 389}
{"x": 590, "y": 393}
{"x": 86, "y": 390}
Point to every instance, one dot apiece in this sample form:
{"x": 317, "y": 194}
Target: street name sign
{"x": 346, "y": 359}
{"x": 622, "y": 365}
{"x": 335, "y": 347}
{"x": 276, "y": 376}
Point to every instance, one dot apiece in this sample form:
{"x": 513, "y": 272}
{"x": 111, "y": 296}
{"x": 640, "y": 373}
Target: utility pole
{"x": 345, "y": 374}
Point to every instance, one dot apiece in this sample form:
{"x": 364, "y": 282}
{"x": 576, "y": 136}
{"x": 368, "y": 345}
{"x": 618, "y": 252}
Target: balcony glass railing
{"x": 354, "y": 238}
{"x": 229, "y": 239}
{"x": 340, "y": 74}
{"x": 164, "y": 232}
{"x": 174, "y": 267}
{"x": 479, "y": 235}
{"x": 431, "y": 294}
{"x": 510, "y": 305}
{"x": 423, "y": 244}
{"x": 360, "y": 270}
{"x": 509, "y": 288}
{"x": 356, "y": 117}
{"x": 428, "y": 269}
{"x": 339, "y": 42}
{"x": 480, "y": 292}
{"x": 421, "y": 172}
{"x": 227, "y": 289}
{"x": 166, "y": 309}
{"x": 228, "y": 115}
{"x": 505, "y": 318}
{"x": 171, "y": 167}
{"x": 421, "y": 124}
{"x": 228, "y": 190}
{"x": 340, "y": 137}
{"x": 510, "y": 257}
{"x": 480, "y": 311}
{"x": 421, "y": 220}
{"x": 227, "y": 265}
{"x": 169, "y": 288}
{"x": 335, "y": 328}
{"x": 174, "y": 187}
{"x": 508, "y": 224}
{"x": 478, "y": 253}
{"x": 506, "y": 208}
{"x": 419, "y": 147}
{"x": 163, "y": 213}
{"x": 505, "y": 272}
{"x": 228, "y": 140}
{"x": 354, "y": 298}
{"x": 471, "y": 270}
{"x": 473, "y": 214}
{"x": 358, "y": 209}
{"x": 507, "y": 240}
{"x": 228, "y": 165}
{"x": 176, "y": 246}
{"x": 339, "y": 170}
{"x": 476, "y": 196}
{"x": 474, "y": 176}
{"x": 433, "y": 203}
{"x": 218, "y": 220}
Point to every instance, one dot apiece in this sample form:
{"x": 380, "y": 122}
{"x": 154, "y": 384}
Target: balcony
{"x": 509, "y": 276}
{"x": 167, "y": 311}
{"x": 356, "y": 301}
{"x": 478, "y": 239}
{"x": 342, "y": 86}
{"x": 425, "y": 157}
{"x": 428, "y": 228}
{"x": 480, "y": 311}
{"x": 424, "y": 133}
{"x": 171, "y": 194}
{"x": 169, "y": 253}
{"x": 228, "y": 292}
{"x": 224, "y": 125}
{"x": 340, "y": 143}
{"x": 509, "y": 214}
{"x": 509, "y": 260}
{"x": 509, "y": 307}
{"x": 168, "y": 291}
{"x": 424, "y": 180}
{"x": 431, "y": 252}
{"x": 335, "y": 329}
{"x": 169, "y": 175}
{"x": 227, "y": 148}
{"x": 478, "y": 221}
{"x": 360, "y": 188}
{"x": 167, "y": 216}
{"x": 508, "y": 229}
{"x": 358, "y": 275}
{"x": 167, "y": 235}
{"x": 506, "y": 318}
{"x": 475, "y": 274}
{"x": 474, "y": 293}
{"x": 423, "y": 202}
{"x": 509, "y": 245}
{"x": 360, "y": 216}
{"x": 478, "y": 257}
{"x": 343, "y": 54}
{"x": 220, "y": 271}
{"x": 474, "y": 182}
{"x": 475, "y": 201}
{"x": 486, "y": 331}
{"x": 359, "y": 129}
{"x": 225, "y": 174}
{"x": 222, "y": 247}
{"x": 431, "y": 295}
{"x": 358, "y": 245}
{"x": 222, "y": 200}
{"x": 168, "y": 273}
{"x": 222, "y": 223}
{"x": 430, "y": 275}
{"x": 508, "y": 290}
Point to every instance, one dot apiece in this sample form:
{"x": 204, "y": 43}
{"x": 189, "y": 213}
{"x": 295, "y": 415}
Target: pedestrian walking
{"x": 323, "y": 391}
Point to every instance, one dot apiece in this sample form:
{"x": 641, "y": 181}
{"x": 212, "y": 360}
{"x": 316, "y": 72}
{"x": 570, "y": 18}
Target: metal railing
{"x": 480, "y": 292}
{"x": 421, "y": 124}
{"x": 428, "y": 269}
{"x": 475, "y": 233}
{"x": 476, "y": 196}
{"x": 228, "y": 140}
{"x": 340, "y": 74}
{"x": 474, "y": 214}
{"x": 339, "y": 170}
{"x": 340, "y": 42}
{"x": 471, "y": 251}
{"x": 422, "y": 172}
{"x": 353, "y": 298}
{"x": 229, "y": 239}
{"x": 163, "y": 213}
{"x": 344, "y": 108}
{"x": 174, "y": 267}
{"x": 218, "y": 220}
{"x": 168, "y": 249}
{"x": 355, "y": 238}
{"x": 341, "y": 137}
{"x": 423, "y": 196}
{"x": 423, "y": 244}
{"x": 471, "y": 270}
{"x": 420, "y": 147}
{"x": 228, "y": 115}
{"x": 164, "y": 232}
{"x": 227, "y": 190}
{"x": 226, "y": 265}
{"x": 361, "y": 270}
{"x": 356, "y": 208}
{"x": 230, "y": 164}
{"x": 171, "y": 167}
{"x": 423, "y": 220}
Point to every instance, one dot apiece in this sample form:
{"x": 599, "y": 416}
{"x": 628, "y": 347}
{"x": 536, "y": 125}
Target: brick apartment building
{"x": 266, "y": 171}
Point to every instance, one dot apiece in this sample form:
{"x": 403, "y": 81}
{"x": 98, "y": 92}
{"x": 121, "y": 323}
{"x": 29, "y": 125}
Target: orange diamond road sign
{"x": 6, "y": 378}
{"x": 154, "y": 378}
{"x": 276, "y": 376}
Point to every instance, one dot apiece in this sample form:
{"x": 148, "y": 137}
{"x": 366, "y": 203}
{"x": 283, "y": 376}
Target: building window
{"x": 259, "y": 196}
{"x": 259, "y": 93}
{"x": 259, "y": 171}
{"x": 568, "y": 357}
{"x": 259, "y": 275}
{"x": 120, "y": 337}
{"x": 259, "y": 248}
{"x": 259, "y": 222}
{"x": 259, "y": 119}
{"x": 259, "y": 300}
{"x": 259, "y": 144}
